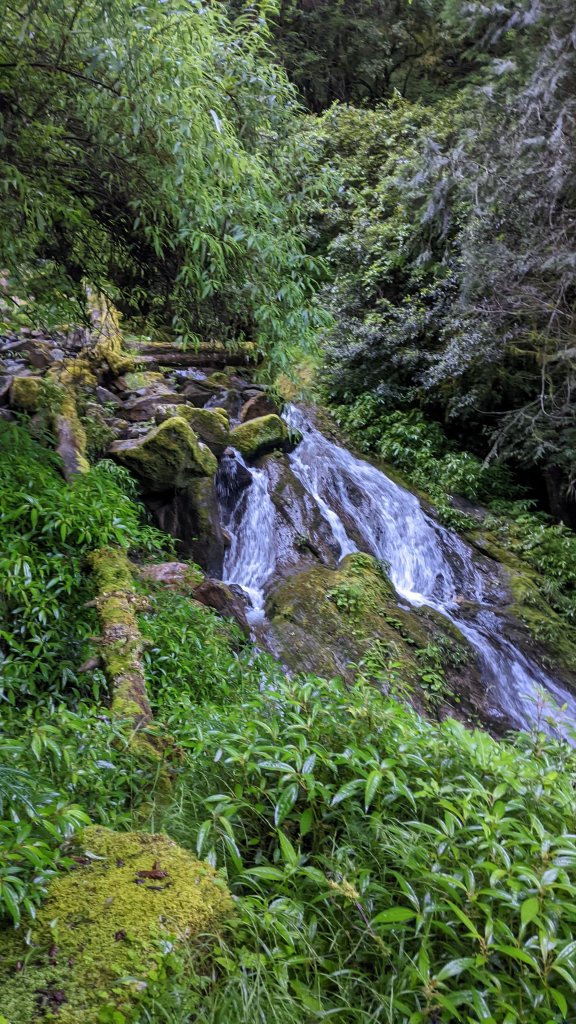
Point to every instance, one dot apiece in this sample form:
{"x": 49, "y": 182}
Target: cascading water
{"x": 428, "y": 564}
{"x": 248, "y": 517}
{"x": 365, "y": 510}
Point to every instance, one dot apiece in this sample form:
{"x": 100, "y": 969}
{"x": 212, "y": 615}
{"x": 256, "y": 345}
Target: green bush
{"x": 48, "y": 528}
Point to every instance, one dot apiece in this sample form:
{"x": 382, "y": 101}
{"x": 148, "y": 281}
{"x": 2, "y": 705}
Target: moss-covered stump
{"x": 260, "y": 435}
{"x": 108, "y": 344}
{"x": 121, "y": 646}
{"x": 167, "y": 457}
{"x": 103, "y": 932}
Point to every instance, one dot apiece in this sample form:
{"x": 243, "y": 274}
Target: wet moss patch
{"x": 105, "y": 929}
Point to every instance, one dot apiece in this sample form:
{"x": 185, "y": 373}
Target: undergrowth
{"x": 384, "y": 868}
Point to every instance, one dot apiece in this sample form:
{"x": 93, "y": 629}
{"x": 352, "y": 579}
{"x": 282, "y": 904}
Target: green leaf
{"x": 560, "y": 1000}
{"x": 394, "y": 915}
{"x": 289, "y": 854}
{"x": 372, "y": 783}
{"x": 286, "y": 802}
{"x": 529, "y": 910}
{"x": 517, "y": 954}
{"x": 306, "y": 821}
{"x": 455, "y": 967}
{"x": 346, "y": 791}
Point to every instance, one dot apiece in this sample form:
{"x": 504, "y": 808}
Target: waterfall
{"x": 429, "y": 565}
{"x": 248, "y": 518}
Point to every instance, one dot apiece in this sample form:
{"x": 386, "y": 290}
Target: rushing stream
{"x": 363, "y": 509}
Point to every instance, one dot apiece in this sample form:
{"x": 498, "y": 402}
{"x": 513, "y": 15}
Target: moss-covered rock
{"x": 211, "y": 425}
{"x": 168, "y": 456}
{"x": 102, "y": 934}
{"x": 527, "y": 605}
{"x": 260, "y": 435}
{"x": 26, "y": 392}
{"x": 333, "y": 621}
{"x": 143, "y": 380}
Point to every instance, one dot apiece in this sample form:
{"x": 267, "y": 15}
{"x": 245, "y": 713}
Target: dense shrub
{"x": 386, "y": 868}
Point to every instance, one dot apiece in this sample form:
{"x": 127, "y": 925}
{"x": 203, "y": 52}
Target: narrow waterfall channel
{"x": 365, "y": 510}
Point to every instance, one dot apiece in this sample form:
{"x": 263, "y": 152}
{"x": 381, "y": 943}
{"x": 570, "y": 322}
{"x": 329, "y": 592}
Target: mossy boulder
{"x": 143, "y": 380}
{"x": 211, "y": 425}
{"x": 26, "y": 393}
{"x": 260, "y": 435}
{"x": 168, "y": 456}
{"x": 104, "y": 929}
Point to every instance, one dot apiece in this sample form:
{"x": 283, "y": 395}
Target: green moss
{"x": 528, "y": 603}
{"x": 112, "y": 570}
{"x": 168, "y": 457}
{"x": 26, "y": 393}
{"x": 121, "y": 640}
{"x": 220, "y": 379}
{"x": 103, "y": 930}
{"x": 260, "y": 435}
{"x": 137, "y": 380}
{"x": 326, "y": 619}
{"x": 211, "y": 426}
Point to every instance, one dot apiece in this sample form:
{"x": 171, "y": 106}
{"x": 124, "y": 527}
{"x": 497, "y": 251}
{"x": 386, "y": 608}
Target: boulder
{"x": 106, "y": 397}
{"x": 169, "y": 456}
{"x": 259, "y": 405}
{"x": 141, "y": 381}
{"x": 211, "y": 425}
{"x": 127, "y": 900}
{"x": 25, "y": 393}
{"x": 198, "y": 392}
{"x": 192, "y": 516}
{"x": 215, "y": 594}
{"x": 179, "y": 576}
{"x": 5, "y": 385}
{"x": 143, "y": 407}
{"x": 258, "y": 436}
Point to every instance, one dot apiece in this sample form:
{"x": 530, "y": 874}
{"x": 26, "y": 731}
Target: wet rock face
{"x": 231, "y": 479}
{"x": 125, "y": 894}
{"x": 191, "y": 515}
{"x": 332, "y": 621}
{"x": 302, "y": 535}
{"x": 217, "y": 595}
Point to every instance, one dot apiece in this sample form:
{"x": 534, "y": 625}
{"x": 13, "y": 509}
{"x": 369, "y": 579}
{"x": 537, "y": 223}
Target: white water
{"x": 250, "y": 558}
{"x": 428, "y": 564}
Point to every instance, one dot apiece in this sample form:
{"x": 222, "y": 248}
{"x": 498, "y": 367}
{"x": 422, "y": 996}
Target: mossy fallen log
{"x": 117, "y": 603}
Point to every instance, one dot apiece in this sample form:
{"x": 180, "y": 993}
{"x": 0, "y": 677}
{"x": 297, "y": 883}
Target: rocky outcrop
{"x": 191, "y": 515}
{"x": 212, "y": 427}
{"x": 217, "y": 595}
{"x": 167, "y": 457}
{"x": 258, "y": 436}
{"x": 339, "y": 622}
{"x": 126, "y": 901}
{"x": 259, "y": 405}
{"x": 186, "y": 579}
